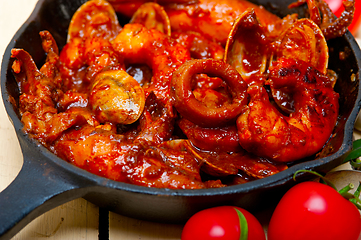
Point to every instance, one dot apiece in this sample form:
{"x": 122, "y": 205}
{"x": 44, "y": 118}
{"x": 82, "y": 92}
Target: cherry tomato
{"x": 337, "y": 8}
{"x": 314, "y": 211}
{"x": 223, "y": 223}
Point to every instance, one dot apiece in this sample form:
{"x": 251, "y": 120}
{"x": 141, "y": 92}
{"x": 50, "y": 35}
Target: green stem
{"x": 358, "y": 191}
{"x": 328, "y": 182}
{"x": 356, "y": 163}
{"x": 355, "y": 153}
{"x": 346, "y": 189}
{"x": 356, "y": 197}
{"x": 243, "y": 225}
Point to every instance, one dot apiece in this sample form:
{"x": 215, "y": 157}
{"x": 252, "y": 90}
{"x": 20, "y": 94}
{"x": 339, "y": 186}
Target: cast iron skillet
{"x": 46, "y": 181}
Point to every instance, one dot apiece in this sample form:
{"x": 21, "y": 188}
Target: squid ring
{"x": 195, "y": 111}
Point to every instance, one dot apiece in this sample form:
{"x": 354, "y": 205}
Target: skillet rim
{"x": 259, "y": 184}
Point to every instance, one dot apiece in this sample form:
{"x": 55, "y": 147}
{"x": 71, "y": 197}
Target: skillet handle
{"x": 39, "y": 187}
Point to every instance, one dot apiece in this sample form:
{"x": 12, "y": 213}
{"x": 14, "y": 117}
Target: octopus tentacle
{"x": 332, "y": 27}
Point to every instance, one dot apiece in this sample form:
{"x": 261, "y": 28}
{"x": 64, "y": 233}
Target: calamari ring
{"x": 195, "y": 111}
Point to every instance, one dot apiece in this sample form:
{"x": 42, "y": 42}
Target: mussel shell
{"x": 246, "y": 48}
{"x": 94, "y": 18}
{"x": 117, "y": 97}
{"x": 152, "y": 16}
{"x": 304, "y": 40}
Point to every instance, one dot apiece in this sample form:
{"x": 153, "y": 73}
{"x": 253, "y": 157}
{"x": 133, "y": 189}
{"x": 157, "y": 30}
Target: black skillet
{"x": 46, "y": 181}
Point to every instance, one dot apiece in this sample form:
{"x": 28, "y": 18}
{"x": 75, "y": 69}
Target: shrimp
{"x": 104, "y": 152}
{"x": 212, "y": 19}
{"x": 139, "y": 45}
{"x": 265, "y": 131}
{"x": 82, "y": 59}
{"x": 88, "y": 50}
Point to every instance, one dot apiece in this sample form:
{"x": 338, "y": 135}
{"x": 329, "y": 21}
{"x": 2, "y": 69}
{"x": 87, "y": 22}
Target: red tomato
{"x": 314, "y": 211}
{"x": 337, "y": 8}
{"x": 221, "y": 223}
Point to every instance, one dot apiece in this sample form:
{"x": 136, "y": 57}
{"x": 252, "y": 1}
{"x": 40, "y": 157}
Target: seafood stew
{"x": 162, "y": 103}
{"x": 48, "y": 181}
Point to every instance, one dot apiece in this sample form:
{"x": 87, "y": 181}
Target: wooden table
{"x": 78, "y": 219}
